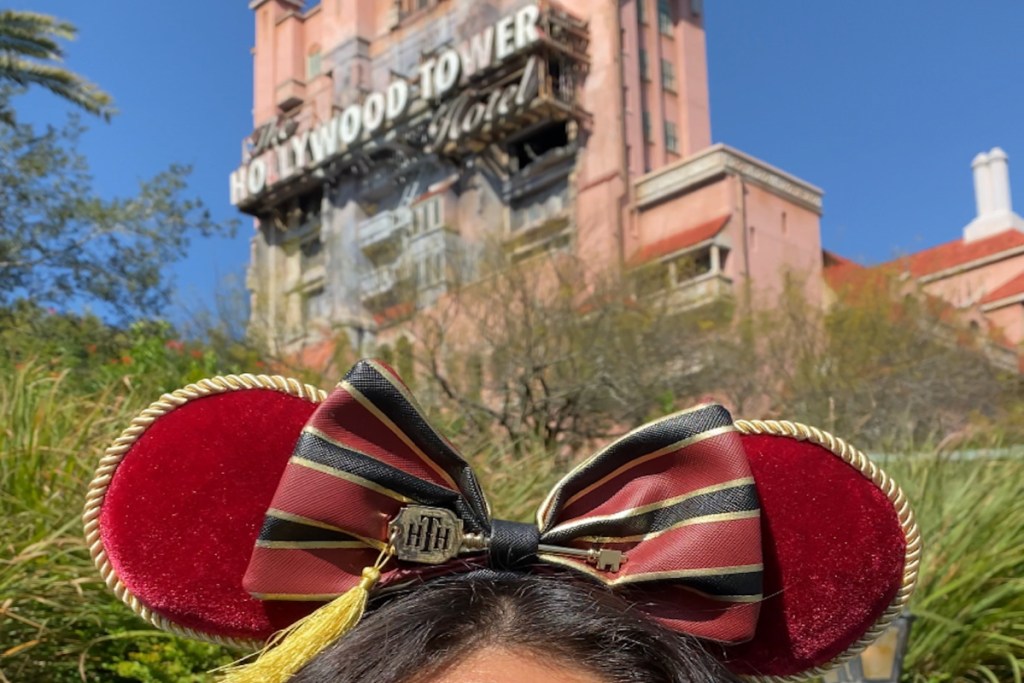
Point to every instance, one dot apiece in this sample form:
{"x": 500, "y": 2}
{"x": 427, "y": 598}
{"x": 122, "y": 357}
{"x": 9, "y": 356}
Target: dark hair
{"x": 584, "y": 625}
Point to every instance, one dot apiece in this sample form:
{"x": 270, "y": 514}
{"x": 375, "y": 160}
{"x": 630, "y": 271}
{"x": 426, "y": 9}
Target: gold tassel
{"x": 292, "y": 648}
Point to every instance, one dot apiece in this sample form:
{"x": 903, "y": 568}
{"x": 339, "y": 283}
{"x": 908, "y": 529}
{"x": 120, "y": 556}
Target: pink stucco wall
{"x": 685, "y": 105}
{"x": 600, "y": 177}
{"x": 766, "y": 237}
{"x": 968, "y": 287}
{"x": 285, "y": 35}
{"x": 632, "y": 92}
{"x": 609, "y": 227}
{"x": 682, "y": 212}
{"x": 1010, "y": 320}
{"x": 692, "y": 78}
{"x": 781, "y": 238}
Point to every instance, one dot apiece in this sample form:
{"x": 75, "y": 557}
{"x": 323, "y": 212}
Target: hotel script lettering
{"x": 279, "y": 153}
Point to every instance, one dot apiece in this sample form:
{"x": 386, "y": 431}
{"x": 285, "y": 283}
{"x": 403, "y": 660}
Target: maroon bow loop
{"x": 668, "y": 512}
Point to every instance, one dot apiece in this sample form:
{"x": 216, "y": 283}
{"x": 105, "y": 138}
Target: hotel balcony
{"x": 378, "y": 283}
{"x": 290, "y": 93}
{"x": 380, "y": 287}
{"x": 381, "y": 236}
{"x": 696, "y": 292}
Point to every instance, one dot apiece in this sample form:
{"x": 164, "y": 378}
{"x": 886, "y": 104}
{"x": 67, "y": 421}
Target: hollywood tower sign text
{"x": 281, "y": 153}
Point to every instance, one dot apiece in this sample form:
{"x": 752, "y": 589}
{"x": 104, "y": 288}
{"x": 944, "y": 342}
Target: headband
{"x": 233, "y": 508}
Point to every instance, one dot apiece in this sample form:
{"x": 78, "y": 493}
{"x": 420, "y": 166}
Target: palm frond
{"x": 37, "y": 23}
{"x": 30, "y": 47}
{"x": 59, "y": 81}
{"x": 26, "y": 43}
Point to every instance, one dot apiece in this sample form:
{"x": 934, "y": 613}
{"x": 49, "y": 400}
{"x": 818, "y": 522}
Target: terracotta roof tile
{"x": 958, "y": 253}
{"x": 840, "y": 271}
{"x": 680, "y": 240}
{"x": 853, "y": 282}
{"x": 1010, "y": 288}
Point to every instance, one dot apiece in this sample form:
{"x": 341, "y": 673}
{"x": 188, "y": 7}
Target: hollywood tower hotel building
{"x": 392, "y": 138}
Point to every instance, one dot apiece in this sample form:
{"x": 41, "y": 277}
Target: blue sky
{"x": 882, "y": 104}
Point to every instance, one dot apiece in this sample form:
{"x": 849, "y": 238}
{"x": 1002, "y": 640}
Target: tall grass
{"x": 59, "y": 623}
{"x": 970, "y": 602}
{"x": 57, "y": 620}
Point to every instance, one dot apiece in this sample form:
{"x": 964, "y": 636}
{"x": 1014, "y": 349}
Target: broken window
{"x": 563, "y": 80}
{"x": 529, "y": 148}
{"x": 304, "y": 212}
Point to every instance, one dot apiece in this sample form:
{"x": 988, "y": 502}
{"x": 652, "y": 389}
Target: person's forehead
{"x": 493, "y": 665}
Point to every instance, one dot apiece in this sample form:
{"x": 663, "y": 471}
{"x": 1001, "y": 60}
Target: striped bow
{"x": 668, "y": 514}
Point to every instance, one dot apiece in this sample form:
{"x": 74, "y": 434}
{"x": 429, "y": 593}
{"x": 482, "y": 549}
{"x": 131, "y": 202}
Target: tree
{"x": 62, "y": 244}
{"x": 885, "y": 366}
{"x": 30, "y": 54}
{"x": 551, "y": 356}
{"x": 550, "y": 359}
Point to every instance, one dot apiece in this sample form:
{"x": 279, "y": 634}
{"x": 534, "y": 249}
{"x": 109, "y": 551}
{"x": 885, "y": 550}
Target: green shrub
{"x": 68, "y": 385}
{"x": 59, "y": 623}
{"x": 970, "y": 600}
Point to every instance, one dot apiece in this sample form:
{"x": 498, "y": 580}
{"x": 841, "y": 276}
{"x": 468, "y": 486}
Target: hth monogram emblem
{"x": 431, "y": 535}
{"x": 426, "y": 534}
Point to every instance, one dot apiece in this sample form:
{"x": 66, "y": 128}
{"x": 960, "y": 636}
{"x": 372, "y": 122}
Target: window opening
{"x": 668, "y": 75}
{"x": 665, "y": 20}
{"x": 528, "y": 149}
{"x": 313, "y": 64}
{"x": 671, "y": 139}
{"x": 691, "y": 265}
{"x": 309, "y": 207}
{"x": 407, "y": 7}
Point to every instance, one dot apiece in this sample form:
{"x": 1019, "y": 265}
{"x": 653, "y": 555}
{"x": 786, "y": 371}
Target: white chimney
{"x": 999, "y": 172}
{"x": 992, "y": 195}
{"x": 982, "y": 183}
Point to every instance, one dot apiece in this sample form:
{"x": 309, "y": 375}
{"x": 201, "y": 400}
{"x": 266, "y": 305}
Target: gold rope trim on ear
{"x": 112, "y": 458}
{"x": 912, "y": 561}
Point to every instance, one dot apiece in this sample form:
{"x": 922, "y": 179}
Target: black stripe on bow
{"x": 742, "y": 498}
{"x": 648, "y": 439}
{"x": 320, "y": 451}
{"x": 383, "y": 391}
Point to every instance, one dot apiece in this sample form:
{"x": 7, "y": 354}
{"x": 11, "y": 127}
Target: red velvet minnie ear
{"x": 177, "y": 502}
{"x": 841, "y": 551}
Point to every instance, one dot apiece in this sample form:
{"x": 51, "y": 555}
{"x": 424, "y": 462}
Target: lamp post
{"x": 882, "y": 661}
